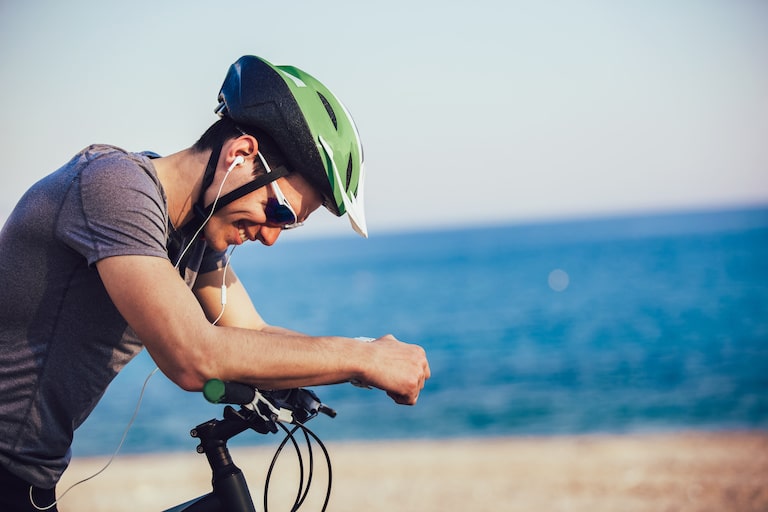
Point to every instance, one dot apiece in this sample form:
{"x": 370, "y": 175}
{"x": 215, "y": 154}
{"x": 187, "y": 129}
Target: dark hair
{"x": 216, "y": 134}
{"x": 224, "y": 129}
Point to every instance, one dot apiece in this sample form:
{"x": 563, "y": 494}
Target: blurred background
{"x": 568, "y": 202}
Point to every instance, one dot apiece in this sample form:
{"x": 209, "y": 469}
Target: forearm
{"x": 276, "y": 358}
{"x": 279, "y": 361}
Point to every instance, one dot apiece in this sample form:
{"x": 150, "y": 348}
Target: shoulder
{"x": 116, "y": 206}
{"x": 112, "y": 179}
{"x": 111, "y": 167}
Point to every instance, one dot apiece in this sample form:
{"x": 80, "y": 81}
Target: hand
{"x": 398, "y": 368}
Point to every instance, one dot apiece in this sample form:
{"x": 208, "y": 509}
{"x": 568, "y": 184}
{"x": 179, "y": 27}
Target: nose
{"x": 268, "y": 235}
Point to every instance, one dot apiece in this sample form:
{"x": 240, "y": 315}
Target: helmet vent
{"x": 349, "y": 172}
{"x": 330, "y": 111}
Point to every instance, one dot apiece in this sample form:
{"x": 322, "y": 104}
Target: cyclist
{"x": 117, "y": 251}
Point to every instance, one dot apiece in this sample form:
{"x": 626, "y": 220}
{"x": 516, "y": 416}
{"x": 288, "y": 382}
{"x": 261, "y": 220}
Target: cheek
{"x": 214, "y": 234}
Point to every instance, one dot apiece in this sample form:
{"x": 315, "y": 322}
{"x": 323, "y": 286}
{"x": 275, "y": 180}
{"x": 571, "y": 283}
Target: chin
{"x": 218, "y": 245}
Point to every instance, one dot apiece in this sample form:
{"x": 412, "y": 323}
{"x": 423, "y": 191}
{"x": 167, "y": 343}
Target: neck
{"x": 181, "y": 175}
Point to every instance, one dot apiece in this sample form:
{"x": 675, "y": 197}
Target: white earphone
{"x": 237, "y": 161}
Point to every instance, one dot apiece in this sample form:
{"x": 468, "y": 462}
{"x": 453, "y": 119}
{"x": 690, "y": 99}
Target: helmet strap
{"x": 210, "y": 170}
{"x": 202, "y": 213}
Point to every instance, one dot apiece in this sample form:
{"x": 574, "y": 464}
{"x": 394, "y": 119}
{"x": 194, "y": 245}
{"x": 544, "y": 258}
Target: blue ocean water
{"x": 632, "y": 324}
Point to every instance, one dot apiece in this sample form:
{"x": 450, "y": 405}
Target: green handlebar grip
{"x": 214, "y": 391}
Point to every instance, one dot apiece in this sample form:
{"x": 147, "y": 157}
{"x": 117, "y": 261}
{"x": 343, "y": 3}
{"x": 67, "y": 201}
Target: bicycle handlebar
{"x": 219, "y": 392}
{"x": 296, "y": 405}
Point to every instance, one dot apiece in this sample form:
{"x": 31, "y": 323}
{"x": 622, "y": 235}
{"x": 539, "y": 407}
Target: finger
{"x": 404, "y": 399}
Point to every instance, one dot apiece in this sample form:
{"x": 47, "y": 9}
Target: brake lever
{"x": 260, "y": 402}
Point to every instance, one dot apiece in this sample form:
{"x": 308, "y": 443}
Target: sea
{"x": 633, "y": 324}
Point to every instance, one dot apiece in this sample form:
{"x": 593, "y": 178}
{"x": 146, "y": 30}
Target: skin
{"x": 174, "y": 322}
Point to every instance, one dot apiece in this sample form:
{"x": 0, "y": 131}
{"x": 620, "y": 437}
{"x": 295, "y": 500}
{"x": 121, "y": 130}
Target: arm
{"x": 239, "y": 310}
{"x": 189, "y": 350}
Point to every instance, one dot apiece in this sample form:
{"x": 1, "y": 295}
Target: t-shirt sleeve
{"x": 116, "y": 208}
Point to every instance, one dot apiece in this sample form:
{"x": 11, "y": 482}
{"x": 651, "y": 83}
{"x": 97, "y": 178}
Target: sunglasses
{"x": 278, "y": 210}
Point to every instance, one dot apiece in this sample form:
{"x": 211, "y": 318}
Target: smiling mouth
{"x": 241, "y": 230}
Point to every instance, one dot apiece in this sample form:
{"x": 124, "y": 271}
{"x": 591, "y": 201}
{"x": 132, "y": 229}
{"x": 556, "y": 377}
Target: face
{"x": 246, "y": 219}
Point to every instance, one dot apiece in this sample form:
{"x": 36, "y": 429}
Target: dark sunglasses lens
{"x": 278, "y": 213}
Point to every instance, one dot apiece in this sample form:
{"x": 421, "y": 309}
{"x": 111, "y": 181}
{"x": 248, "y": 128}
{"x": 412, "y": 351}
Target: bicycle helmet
{"x": 310, "y": 126}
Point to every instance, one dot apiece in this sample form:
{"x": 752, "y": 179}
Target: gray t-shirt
{"x": 61, "y": 338}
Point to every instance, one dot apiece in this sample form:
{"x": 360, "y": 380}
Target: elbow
{"x": 194, "y": 375}
{"x": 191, "y": 372}
{"x": 189, "y": 382}
{"x": 186, "y": 379}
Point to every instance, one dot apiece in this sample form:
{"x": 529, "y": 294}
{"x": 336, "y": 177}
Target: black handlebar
{"x": 302, "y": 403}
{"x": 219, "y": 392}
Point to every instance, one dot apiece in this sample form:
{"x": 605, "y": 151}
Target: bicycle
{"x": 264, "y": 412}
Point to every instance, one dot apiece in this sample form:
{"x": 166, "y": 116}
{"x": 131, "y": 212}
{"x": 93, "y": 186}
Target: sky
{"x": 471, "y": 113}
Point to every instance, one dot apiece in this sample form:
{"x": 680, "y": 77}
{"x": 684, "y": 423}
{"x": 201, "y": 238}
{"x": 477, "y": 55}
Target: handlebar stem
{"x": 229, "y": 485}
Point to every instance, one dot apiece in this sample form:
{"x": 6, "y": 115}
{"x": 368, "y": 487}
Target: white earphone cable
{"x": 111, "y": 459}
{"x": 224, "y": 286}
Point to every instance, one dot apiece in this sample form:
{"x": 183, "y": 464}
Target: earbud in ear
{"x": 237, "y": 161}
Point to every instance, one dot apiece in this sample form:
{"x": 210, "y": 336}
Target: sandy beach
{"x": 682, "y": 472}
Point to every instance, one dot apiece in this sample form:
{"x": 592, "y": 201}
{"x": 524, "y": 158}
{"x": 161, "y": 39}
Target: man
{"x": 117, "y": 251}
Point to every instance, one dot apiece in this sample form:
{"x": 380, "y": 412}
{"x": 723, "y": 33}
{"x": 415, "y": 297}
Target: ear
{"x": 245, "y": 146}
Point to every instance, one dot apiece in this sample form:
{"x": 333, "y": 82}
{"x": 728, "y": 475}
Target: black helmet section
{"x": 255, "y": 95}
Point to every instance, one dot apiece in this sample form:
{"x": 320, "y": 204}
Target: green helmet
{"x": 308, "y": 123}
